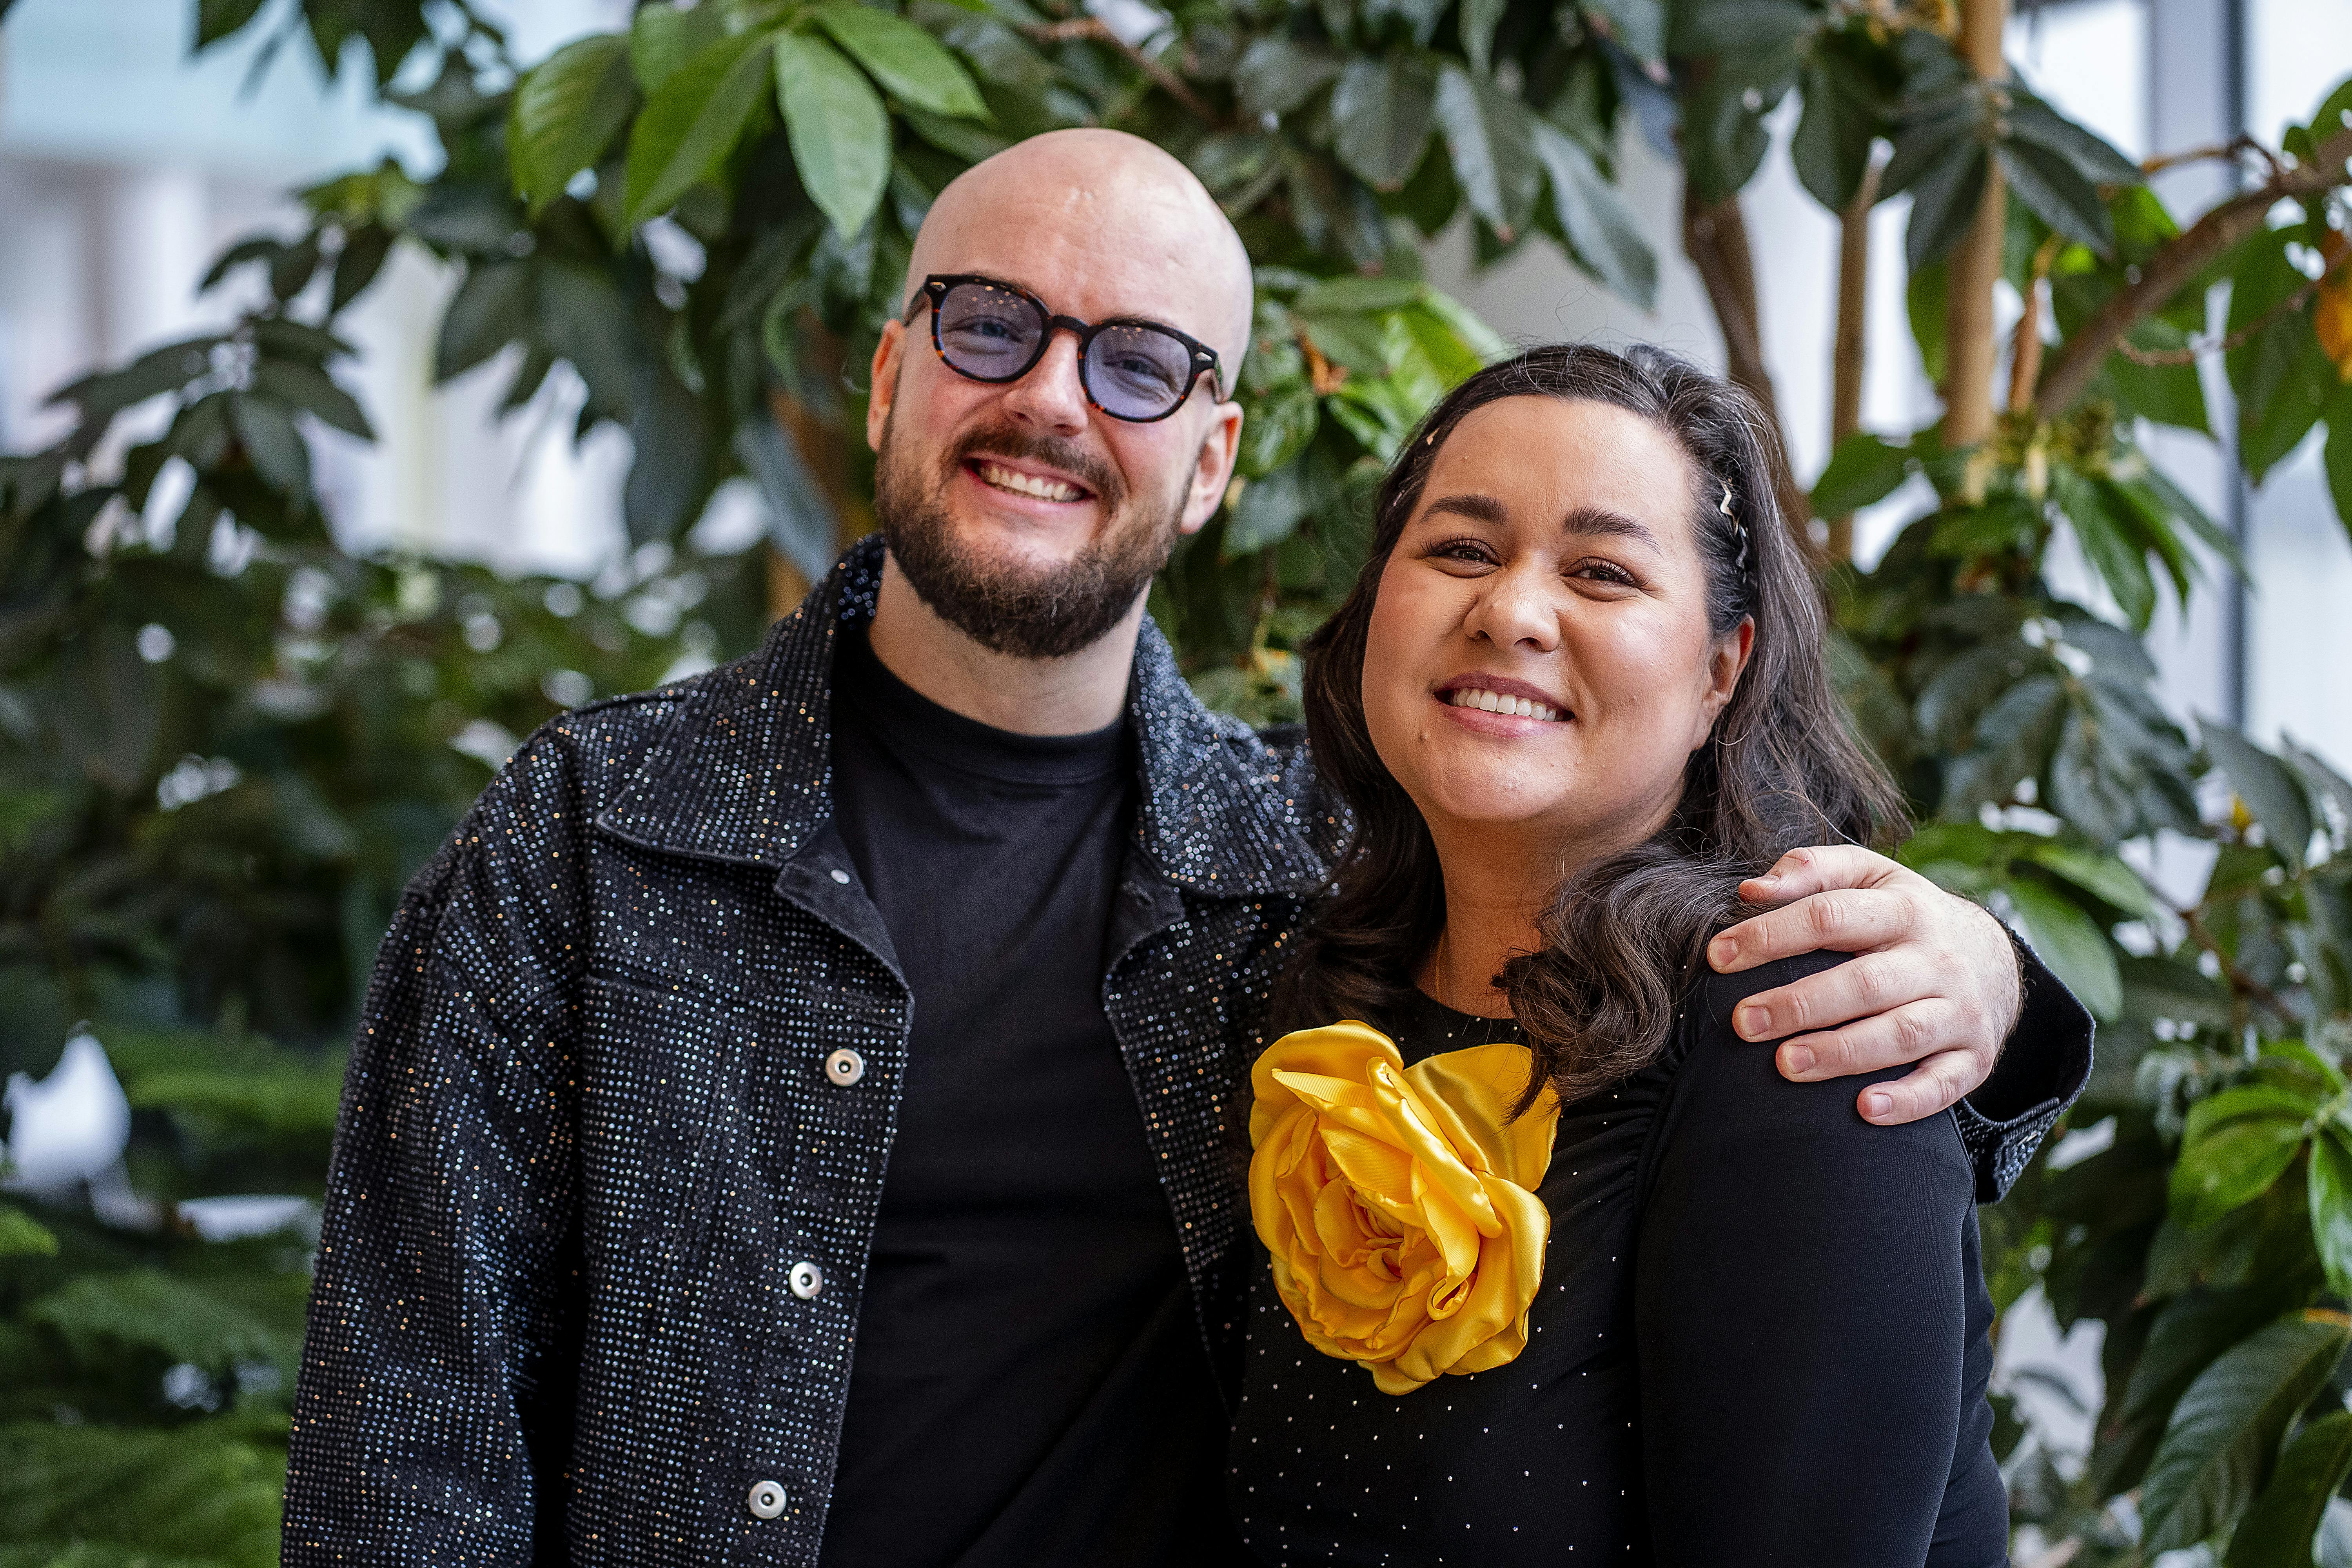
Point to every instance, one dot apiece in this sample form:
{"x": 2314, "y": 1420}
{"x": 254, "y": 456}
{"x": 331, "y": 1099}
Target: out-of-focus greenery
{"x": 224, "y": 743}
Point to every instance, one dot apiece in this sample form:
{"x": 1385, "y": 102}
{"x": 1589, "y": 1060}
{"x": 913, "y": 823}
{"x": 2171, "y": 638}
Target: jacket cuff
{"x": 2042, "y": 1070}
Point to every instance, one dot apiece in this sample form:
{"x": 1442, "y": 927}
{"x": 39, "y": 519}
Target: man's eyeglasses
{"x": 992, "y": 331}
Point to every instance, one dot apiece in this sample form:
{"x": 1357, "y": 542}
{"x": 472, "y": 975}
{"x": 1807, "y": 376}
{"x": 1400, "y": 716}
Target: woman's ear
{"x": 1725, "y": 665}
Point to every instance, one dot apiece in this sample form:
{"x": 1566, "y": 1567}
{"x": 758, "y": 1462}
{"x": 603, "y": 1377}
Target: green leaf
{"x": 693, "y": 120}
{"x": 267, "y": 434}
{"x": 166, "y": 369}
{"x": 2331, "y": 1208}
{"x": 22, "y": 1236}
{"x": 2054, "y": 192}
{"x": 1926, "y": 299}
{"x": 566, "y": 112}
{"x": 2109, "y": 544}
{"x": 1357, "y": 294}
{"x": 491, "y": 309}
{"x": 1865, "y": 468}
{"x": 1381, "y": 114}
{"x": 1277, "y": 430}
{"x": 2263, "y": 783}
{"x": 311, "y": 390}
{"x": 2103, "y": 876}
{"x": 145, "y": 1311}
{"x": 1741, "y": 28}
{"x": 216, "y": 19}
{"x": 1601, "y": 231}
{"x": 1491, "y": 137}
{"x": 1842, "y": 117}
{"x": 663, "y": 37}
{"x": 2338, "y": 456}
{"x": 202, "y": 1495}
{"x": 1277, "y": 75}
{"x": 1478, "y": 19}
{"x": 840, "y": 131}
{"x": 2281, "y": 375}
{"x": 909, "y": 62}
{"x": 2279, "y": 1528}
{"x": 2076, "y": 950}
{"x": 1269, "y": 512}
{"x": 2032, "y": 122}
{"x": 961, "y": 137}
{"x": 2233, "y": 1166}
{"x": 1638, "y": 26}
{"x": 1944, "y": 203}
{"x": 2217, "y": 1450}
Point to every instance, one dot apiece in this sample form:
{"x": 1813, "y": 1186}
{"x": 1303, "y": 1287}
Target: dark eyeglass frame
{"x": 935, "y": 289}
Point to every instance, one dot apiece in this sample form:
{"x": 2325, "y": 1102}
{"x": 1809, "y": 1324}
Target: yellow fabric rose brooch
{"x": 1400, "y": 1204}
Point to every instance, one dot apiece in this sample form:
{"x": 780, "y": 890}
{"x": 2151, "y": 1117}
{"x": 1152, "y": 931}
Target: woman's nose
{"x": 1516, "y": 609}
{"x": 1051, "y": 397}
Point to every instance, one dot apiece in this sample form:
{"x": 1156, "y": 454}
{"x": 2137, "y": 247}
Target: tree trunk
{"x": 1969, "y": 343}
{"x": 1853, "y": 318}
{"x": 822, "y": 447}
{"x": 1715, "y": 237}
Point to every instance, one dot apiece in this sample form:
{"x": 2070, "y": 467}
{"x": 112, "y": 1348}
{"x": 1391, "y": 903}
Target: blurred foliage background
{"x": 225, "y": 741}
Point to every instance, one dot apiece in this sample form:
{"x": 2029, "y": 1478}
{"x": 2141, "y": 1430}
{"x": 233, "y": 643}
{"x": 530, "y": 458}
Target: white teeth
{"x": 1494, "y": 703}
{"x": 1019, "y": 483}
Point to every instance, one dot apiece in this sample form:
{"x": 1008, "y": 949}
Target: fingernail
{"x": 1797, "y": 1059}
{"x": 1875, "y": 1105}
{"x": 1725, "y": 948}
{"x": 1768, "y": 879}
{"x": 1754, "y": 1021}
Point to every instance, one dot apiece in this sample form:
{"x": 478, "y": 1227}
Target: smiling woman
{"x": 1577, "y": 696}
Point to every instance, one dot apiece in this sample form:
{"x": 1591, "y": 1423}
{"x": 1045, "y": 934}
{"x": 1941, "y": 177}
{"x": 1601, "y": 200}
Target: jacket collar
{"x": 744, "y": 772}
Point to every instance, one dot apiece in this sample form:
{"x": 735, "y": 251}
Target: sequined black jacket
{"x": 613, "y": 1138}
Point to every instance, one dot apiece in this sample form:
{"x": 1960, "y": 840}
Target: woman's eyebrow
{"x": 1477, "y": 508}
{"x": 1593, "y": 520}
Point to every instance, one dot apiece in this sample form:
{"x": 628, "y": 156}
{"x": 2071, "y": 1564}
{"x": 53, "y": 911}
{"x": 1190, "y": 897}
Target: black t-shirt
{"x": 1762, "y": 1337}
{"x": 1029, "y": 1384}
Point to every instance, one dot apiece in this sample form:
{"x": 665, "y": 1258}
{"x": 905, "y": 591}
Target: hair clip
{"x": 1724, "y": 506}
{"x": 1738, "y": 527}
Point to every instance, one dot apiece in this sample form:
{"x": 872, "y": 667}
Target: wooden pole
{"x": 1715, "y": 237}
{"x": 1969, "y": 336}
{"x": 1853, "y": 318}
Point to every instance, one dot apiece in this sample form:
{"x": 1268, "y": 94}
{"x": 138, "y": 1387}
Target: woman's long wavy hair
{"x": 1622, "y": 938}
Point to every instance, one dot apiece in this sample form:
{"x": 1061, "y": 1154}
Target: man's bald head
{"x": 1109, "y": 206}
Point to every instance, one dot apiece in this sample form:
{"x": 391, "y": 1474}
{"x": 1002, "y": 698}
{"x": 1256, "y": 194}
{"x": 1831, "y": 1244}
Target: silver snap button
{"x": 807, "y": 1279}
{"x": 844, "y": 1066}
{"x": 767, "y": 1499}
{"x": 841, "y": 876}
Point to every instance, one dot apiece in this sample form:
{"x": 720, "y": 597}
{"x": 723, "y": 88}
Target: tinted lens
{"x": 988, "y": 333}
{"x": 1138, "y": 373}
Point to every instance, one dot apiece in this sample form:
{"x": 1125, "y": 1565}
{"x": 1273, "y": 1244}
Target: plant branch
{"x": 1715, "y": 236}
{"x": 1850, "y": 356}
{"x": 1970, "y": 337}
{"x": 2295, "y": 302}
{"x": 2025, "y": 353}
{"x": 1090, "y": 29}
{"x": 2178, "y": 261}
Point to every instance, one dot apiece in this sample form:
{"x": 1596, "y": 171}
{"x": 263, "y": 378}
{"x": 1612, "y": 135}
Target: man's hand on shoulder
{"x": 1934, "y": 979}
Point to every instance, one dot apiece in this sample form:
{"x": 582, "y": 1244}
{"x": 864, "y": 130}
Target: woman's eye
{"x": 1607, "y": 572}
{"x": 1468, "y": 550}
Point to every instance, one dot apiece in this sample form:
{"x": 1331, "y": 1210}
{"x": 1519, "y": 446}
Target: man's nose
{"x": 1051, "y": 398}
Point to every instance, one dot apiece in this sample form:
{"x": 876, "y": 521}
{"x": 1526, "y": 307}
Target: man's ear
{"x": 884, "y": 381}
{"x": 1213, "y": 470}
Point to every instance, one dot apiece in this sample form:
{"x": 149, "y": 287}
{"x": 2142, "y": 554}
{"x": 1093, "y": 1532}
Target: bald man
{"x": 797, "y": 1115}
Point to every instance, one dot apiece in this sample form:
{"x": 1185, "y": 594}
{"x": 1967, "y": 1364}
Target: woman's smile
{"x": 1498, "y": 705}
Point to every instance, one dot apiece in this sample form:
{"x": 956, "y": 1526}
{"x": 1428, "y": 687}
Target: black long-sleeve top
{"x": 1762, "y": 1337}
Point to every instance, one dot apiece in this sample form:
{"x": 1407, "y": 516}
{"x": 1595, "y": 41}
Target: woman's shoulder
{"x": 1726, "y": 1095}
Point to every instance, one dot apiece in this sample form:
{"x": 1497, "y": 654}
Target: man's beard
{"x": 1025, "y": 612}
